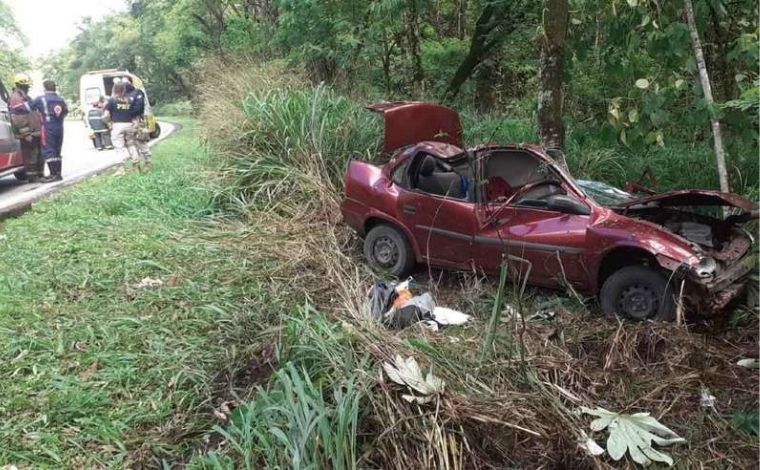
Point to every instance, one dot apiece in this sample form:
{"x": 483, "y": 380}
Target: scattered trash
{"x": 633, "y": 433}
{"x": 149, "y": 283}
{"x": 408, "y": 373}
{"x": 706, "y": 399}
{"x": 395, "y": 306}
{"x": 448, "y": 316}
{"x": 749, "y": 363}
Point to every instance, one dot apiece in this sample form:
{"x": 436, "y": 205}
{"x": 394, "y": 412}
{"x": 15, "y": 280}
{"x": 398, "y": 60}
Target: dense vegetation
{"x": 629, "y": 83}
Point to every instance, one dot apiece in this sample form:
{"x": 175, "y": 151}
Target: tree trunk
{"x": 704, "y": 79}
{"x": 413, "y": 36}
{"x": 551, "y": 128}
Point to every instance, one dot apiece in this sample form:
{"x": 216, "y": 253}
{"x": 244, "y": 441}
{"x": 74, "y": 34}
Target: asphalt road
{"x": 80, "y": 160}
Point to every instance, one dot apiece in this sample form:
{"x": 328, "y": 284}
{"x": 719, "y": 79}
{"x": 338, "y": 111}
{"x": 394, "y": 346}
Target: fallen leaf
{"x": 407, "y": 372}
{"x": 90, "y": 371}
{"x": 634, "y": 434}
{"x": 642, "y": 83}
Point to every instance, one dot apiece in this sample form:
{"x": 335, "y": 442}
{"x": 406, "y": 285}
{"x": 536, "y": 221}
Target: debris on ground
{"x": 149, "y": 283}
{"x": 634, "y": 434}
{"x": 408, "y": 373}
{"x": 395, "y": 306}
{"x": 706, "y": 399}
{"x": 749, "y": 363}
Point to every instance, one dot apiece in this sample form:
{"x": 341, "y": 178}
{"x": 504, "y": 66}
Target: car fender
{"x": 382, "y": 217}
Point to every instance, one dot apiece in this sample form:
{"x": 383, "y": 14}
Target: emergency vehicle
{"x": 99, "y": 83}
{"x": 11, "y": 161}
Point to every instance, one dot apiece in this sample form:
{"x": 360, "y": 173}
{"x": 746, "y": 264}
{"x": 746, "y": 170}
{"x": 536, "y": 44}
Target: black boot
{"x": 55, "y": 172}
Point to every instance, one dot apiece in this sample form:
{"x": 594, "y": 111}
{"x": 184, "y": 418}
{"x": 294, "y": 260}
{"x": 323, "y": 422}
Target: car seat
{"x": 431, "y": 181}
{"x": 497, "y": 187}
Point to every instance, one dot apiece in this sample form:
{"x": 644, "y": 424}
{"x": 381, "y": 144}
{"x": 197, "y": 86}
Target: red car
{"x": 11, "y": 161}
{"x": 438, "y": 204}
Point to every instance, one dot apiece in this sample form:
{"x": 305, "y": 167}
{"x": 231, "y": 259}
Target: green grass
{"x": 94, "y": 371}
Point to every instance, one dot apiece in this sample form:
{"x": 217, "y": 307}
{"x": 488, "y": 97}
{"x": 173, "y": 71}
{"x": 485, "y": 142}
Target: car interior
{"x": 519, "y": 176}
{"x": 432, "y": 175}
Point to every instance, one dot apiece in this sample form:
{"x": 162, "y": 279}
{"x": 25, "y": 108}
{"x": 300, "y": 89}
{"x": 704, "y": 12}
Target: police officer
{"x": 54, "y": 110}
{"x": 142, "y": 136}
{"x": 27, "y": 127}
{"x": 119, "y": 114}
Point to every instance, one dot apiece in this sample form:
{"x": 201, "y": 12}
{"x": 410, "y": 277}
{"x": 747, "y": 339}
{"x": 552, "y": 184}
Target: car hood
{"x": 411, "y": 122}
{"x": 691, "y": 197}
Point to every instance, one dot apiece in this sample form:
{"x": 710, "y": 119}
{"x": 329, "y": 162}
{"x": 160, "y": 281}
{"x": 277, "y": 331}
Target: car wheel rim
{"x": 638, "y": 301}
{"x": 385, "y": 252}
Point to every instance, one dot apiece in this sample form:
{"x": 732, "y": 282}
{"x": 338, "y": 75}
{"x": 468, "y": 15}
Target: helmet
{"x": 22, "y": 79}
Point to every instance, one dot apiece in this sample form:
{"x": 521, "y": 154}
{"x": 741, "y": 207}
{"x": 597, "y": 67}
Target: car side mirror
{"x": 567, "y": 205}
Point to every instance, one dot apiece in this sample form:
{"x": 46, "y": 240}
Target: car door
{"x": 442, "y": 227}
{"x": 10, "y": 155}
{"x": 545, "y": 245}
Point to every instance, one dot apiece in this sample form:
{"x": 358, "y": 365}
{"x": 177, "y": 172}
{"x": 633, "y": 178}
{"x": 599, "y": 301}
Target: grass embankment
{"x": 96, "y": 371}
{"x": 512, "y": 385}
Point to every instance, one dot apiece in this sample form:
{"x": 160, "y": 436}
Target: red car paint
{"x": 554, "y": 249}
{"x": 10, "y": 150}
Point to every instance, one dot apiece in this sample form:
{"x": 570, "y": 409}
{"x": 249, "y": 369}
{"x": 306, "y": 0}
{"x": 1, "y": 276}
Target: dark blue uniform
{"x": 119, "y": 109}
{"x": 137, "y": 98}
{"x": 53, "y": 110}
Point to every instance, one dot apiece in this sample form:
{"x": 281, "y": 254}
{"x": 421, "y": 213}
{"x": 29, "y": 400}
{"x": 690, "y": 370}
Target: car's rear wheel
{"x": 387, "y": 250}
{"x": 638, "y": 293}
{"x": 20, "y": 175}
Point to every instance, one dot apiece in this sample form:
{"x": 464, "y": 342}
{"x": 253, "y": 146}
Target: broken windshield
{"x": 604, "y": 194}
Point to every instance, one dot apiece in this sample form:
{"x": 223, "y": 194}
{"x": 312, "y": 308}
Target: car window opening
{"x": 519, "y": 176}
{"x": 433, "y": 176}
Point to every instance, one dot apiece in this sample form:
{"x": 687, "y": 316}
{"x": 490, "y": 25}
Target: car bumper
{"x": 712, "y": 296}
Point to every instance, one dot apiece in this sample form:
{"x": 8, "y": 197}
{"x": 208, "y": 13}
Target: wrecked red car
{"x": 475, "y": 209}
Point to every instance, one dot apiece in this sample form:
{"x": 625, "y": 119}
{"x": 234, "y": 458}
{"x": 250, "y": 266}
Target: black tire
{"x": 20, "y": 175}
{"x": 638, "y": 293}
{"x": 387, "y": 250}
{"x": 156, "y": 133}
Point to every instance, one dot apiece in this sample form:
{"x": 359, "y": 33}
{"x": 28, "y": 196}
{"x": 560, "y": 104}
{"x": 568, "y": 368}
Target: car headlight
{"x": 706, "y": 267}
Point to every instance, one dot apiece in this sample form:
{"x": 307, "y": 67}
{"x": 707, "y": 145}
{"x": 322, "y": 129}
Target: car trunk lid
{"x": 411, "y": 122}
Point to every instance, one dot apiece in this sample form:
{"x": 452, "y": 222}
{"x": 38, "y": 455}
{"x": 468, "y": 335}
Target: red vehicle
{"x": 11, "y": 161}
{"x": 436, "y": 203}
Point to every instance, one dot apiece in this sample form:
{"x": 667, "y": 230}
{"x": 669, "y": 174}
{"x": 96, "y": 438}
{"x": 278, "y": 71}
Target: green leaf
{"x": 679, "y": 83}
{"x": 633, "y": 3}
{"x": 633, "y": 115}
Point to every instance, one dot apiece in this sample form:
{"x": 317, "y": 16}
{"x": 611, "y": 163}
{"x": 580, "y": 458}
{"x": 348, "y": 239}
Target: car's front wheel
{"x": 387, "y": 250}
{"x": 156, "y": 133}
{"x": 638, "y": 293}
{"x": 20, "y": 175}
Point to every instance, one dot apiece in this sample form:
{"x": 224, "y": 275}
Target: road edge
{"x": 20, "y": 208}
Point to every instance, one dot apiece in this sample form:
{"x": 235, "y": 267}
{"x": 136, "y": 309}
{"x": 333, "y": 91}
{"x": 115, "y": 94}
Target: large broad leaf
{"x": 635, "y": 434}
{"x": 407, "y": 372}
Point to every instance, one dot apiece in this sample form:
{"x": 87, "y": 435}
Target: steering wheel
{"x": 531, "y": 186}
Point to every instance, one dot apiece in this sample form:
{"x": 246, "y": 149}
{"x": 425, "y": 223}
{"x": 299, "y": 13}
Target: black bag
{"x": 381, "y": 296}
